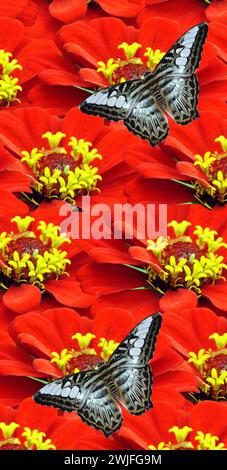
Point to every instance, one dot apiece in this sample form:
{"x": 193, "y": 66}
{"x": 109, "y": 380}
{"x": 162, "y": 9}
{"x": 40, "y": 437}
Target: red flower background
{"x": 55, "y": 310}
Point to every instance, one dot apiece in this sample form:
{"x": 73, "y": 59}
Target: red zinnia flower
{"x": 34, "y": 260}
{"x": 205, "y": 144}
{"x": 190, "y": 257}
{"x": 65, "y": 158}
{"x": 26, "y": 428}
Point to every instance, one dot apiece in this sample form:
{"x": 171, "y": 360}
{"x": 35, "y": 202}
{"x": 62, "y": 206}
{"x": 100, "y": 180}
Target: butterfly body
{"x": 172, "y": 88}
{"x": 125, "y": 378}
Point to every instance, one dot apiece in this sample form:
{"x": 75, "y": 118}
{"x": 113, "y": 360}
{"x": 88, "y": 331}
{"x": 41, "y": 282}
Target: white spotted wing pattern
{"x": 125, "y": 378}
{"x": 172, "y": 88}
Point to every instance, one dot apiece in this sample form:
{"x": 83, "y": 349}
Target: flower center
{"x": 61, "y": 173}
{"x": 8, "y": 84}
{"x": 185, "y": 250}
{"x": 131, "y": 66}
{"x": 201, "y": 441}
{"x": 25, "y": 245}
{"x": 31, "y": 439}
{"x": 85, "y": 362}
{"x": 212, "y": 189}
{"x": 31, "y": 258}
{"x": 83, "y": 357}
{"x": 130, "y": 72}
{"x": 56, "y": 161}
{"x": 185, "y": 261}
{"x": 212, "y": 365}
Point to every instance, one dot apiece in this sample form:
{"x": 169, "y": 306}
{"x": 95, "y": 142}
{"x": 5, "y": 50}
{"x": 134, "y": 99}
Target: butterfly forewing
{"x": 63, "y": 393}
{"x": 129, "y": 365}
{"x": 172, "y": 88}
{"x": 125, "y": 378}
{"x": 185, "y": 54}
{"x": 138, "y": 346}
{"x": 175, "y": 75}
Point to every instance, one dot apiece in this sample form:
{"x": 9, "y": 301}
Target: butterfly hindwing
{"x": 145, "y": 118}
{"x": 101, "y": 410}
{"x": 134, "y": 385}
{"x": 181, "y": 97}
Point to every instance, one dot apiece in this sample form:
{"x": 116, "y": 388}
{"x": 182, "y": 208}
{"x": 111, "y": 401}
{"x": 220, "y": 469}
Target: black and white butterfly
{"x": 125, "y": 378}
{"x": 172, "y": 88}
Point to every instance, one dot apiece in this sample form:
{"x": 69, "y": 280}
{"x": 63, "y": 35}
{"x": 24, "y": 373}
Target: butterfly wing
{"x": 129, "y": 366}
{"x": 175, "y": 75}
{"x": 145, "y": 118}
{"x": 87, "y": 394}
{"x": 126, "y": 377}
{"x": 133, "y": 103}
{"x": 100, "y": 409}
{"x": 64, "y": 393}
{"x": 112, "y": 103}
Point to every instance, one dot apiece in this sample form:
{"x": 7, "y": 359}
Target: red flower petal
{"x": 190, "y": 170}
{"x": 8, "y": 41}
{"x": 46, "y": 368}
{"x": 9, "y": 202}
{"x": 217, "y": 294}
{"x": 9, "y": 367}
{"x": 120, "y": 278}
{"x": 208, "y": 416}
{"x": 14, "y": 389}
{"x": 141, "y": 254}
{"x": 176, "y": 300}
{"x": 68, "y": 292}
{"x": 119, "y": 7}
{"x": 67, "y": 11}
{"x": 21, "y": 299}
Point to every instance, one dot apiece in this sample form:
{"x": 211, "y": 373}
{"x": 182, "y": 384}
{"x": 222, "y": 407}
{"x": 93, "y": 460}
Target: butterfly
{"x": 125, "y": 378}
{"x": 172, "y": 88}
